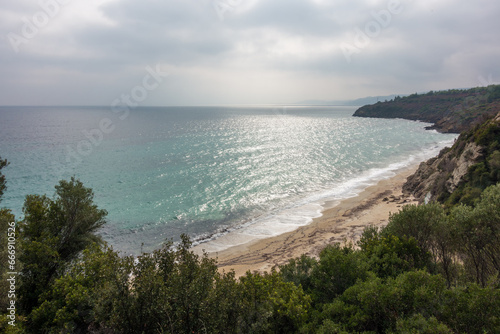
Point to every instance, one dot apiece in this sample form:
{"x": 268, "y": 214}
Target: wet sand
{"x": 341, "y": 223}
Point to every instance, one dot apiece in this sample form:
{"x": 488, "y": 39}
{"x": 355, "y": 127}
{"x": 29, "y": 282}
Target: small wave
{"x": 303, "y": 212}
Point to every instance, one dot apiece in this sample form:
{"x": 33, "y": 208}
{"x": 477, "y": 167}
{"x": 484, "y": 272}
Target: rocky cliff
{"x": 460, "y": 173}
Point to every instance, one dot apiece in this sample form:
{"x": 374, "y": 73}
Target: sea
{"x": 250, "y": 171}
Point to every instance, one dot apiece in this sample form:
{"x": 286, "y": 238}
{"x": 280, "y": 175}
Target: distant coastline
{"x": 450, "y": 111}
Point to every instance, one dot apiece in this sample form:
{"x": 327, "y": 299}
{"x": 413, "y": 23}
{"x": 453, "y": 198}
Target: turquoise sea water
{"x": 204, "y": 171}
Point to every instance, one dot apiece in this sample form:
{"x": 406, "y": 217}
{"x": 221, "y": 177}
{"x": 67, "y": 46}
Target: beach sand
{"x": 341, "y": 223}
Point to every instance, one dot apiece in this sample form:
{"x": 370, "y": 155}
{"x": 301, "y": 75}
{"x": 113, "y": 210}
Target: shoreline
{"x": 341, "y": 221}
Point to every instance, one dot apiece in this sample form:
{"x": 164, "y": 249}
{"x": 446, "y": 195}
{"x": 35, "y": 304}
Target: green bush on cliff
{"x": 482, "y": 174}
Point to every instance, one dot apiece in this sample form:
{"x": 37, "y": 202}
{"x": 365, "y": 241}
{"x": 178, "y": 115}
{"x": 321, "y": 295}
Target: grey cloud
{"x": 429, "y": 45}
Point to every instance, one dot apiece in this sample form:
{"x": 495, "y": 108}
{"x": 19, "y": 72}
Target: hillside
{"x": 460, "y": 173}
{"x": 451, "y": 111}
{"x": 357, "y": 102}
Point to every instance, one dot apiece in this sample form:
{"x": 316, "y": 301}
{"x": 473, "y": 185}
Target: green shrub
{"x": 338, "y": 269}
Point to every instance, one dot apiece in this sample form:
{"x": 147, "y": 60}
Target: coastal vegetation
{"x": 435, "y": 268}
{"x": 454, "y": 110}
{"x": 428, "y": 271}
{"x": 460, "y": 173}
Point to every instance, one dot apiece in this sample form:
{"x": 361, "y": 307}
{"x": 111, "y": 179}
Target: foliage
{"x": 390, "y": 256}
{"x": 3, "y": 164}
{"x": 428, "y": 271}
{"x": 298, "y": 271}
{"x": 477, "y": 231}
{"x": 418, "y": 324}
{"x": 417, "y": 222}
{"x": 271, "y": 305}
{"x": 6, "y": 328}
{"x": 484, "y": 171}
{"x": 472, "y": 309}
{"x": 494, "y": 93}
{"x": 70, "y": 304}
{"x": 451, "y": 111}
{"x": 375, "y": 305}
{"x": 171, "y": 290}
{"x": 429, "y": 227}
{"x": 6, "y": 218}
{"x": 329, "y": 327}
{"x": 338, "y": 269}
{"x": 52, "y": 234}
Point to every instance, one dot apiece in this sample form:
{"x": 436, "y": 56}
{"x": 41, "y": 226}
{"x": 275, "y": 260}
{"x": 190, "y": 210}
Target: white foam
{"x": 302, "y": 213}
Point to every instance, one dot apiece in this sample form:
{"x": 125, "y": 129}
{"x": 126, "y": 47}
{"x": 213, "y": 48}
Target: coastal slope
{"x": 459, "y": 174}
{"x": 451, "y": 111}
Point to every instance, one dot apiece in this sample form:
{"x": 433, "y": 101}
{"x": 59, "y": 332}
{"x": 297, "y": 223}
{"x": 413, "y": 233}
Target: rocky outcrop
{"x": 469, "y": 157}
{"x": 470, "y": 163}
{"x": 447, "y": 170}
{"x": 458, "y": 174}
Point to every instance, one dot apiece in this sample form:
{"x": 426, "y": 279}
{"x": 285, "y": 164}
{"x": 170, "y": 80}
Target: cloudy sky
{"x": 91, "y": 52}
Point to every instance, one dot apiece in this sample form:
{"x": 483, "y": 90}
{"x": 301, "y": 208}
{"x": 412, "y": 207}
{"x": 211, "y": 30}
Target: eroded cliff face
{"x": 470, "y": 156}
{"x": 472, "y": 159}
{"x": 445, "y": 170}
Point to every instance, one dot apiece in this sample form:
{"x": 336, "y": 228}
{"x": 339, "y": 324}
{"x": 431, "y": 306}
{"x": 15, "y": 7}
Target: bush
{"x": 298, "y": 271}
{"x": 417, "y": 222}
{"x": 472, "y": 310}
{"x": 271, "y": 305}
{"x": 376, "y": 305}
{"x": 390, "y": 256}
{"x": 477, "y": 231}
{"x": 338, "y": 269}
{"x": 418, "y": 324}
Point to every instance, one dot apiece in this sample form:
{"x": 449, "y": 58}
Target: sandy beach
{"x": 340, "y": 223}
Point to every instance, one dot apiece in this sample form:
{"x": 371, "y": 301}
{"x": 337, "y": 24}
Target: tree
{"x": 471, "y": 309}
{"x": 298, "y": 271}
{"x": 3, "y": 164}
{"x": 390, "y": 256}
{"x": 444, "y": 249}
{"x": 338, "y": 269}
{"x": 376, "y": 305}
{"x": 171, "y": 290}
{"x": 420, "y": 324}
{"x": 271, "y": 305}
{"x": 431, "y": 228}
{"x": 70, "y": 303}
{"x": 52, "y": 234}
{"x": 6, "y": 219}
{"x": 38, "y": 254}
{"x": 75, "y": 217}
{"x": 477, "y": 233}
{"x": 416, "y": 222}
{"x": 487, "y": 216}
